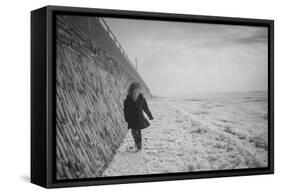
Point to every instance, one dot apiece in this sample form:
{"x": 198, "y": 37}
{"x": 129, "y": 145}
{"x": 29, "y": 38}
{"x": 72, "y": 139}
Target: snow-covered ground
{"x": 215, "y": 132}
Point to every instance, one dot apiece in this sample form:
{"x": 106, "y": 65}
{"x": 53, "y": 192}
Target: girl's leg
{"x": 139, "y": 139}
{"x": 136, "y": 133}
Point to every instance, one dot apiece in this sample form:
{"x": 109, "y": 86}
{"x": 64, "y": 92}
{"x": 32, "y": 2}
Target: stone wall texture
{"x": 91, "y": 86}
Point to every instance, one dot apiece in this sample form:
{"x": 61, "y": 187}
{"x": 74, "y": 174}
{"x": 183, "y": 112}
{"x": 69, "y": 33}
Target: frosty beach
{"x": 199, "y": 133}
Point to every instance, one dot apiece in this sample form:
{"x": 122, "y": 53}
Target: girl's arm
{"x": 146, "y": 109}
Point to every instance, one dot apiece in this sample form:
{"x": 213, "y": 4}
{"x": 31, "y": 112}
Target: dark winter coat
{"x": 133, "y": 112}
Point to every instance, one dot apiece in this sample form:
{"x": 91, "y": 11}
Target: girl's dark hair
{"x": 132, "y": 87}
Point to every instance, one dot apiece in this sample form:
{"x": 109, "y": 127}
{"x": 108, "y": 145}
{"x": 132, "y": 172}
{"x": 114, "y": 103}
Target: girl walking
{"x": 134, "y": 105}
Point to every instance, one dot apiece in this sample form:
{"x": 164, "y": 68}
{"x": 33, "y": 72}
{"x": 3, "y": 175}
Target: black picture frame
{"x": 43, "y": 93}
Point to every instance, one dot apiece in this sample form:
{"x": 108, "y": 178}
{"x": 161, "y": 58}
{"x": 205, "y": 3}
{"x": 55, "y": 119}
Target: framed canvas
{"x": 126, "y": 96}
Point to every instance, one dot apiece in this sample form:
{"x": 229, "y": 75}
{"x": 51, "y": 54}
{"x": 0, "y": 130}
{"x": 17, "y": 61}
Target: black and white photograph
{"x": 144, "y": 97}
{"x": 140, "y": 97}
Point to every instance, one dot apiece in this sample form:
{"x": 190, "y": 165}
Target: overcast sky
{"x": 177, "y": 58}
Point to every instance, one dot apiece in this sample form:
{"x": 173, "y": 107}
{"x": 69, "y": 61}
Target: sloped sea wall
{"x": 91, "y": 87}
{"x": 97, "y": 29}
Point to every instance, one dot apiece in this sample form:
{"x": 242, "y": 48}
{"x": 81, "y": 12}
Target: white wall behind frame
{"x": 15, "y": 95}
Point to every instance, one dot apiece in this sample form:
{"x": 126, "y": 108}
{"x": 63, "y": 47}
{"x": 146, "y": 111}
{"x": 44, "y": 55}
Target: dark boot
{"x": 139, "y": 146}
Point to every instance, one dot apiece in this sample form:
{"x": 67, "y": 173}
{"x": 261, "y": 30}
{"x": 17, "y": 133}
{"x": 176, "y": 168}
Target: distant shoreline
{"x": 218, "y": 94}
